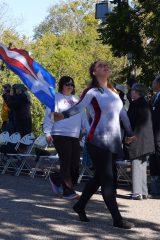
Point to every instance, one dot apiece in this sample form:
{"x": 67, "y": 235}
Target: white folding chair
{"x": 122, "y": 171}
{"x": 15, "y": 138}
{"x": 27, "y": 141}
{"x": 4, "y": 137}
{"x": 53, "y": 160}
{"x": 8, "y": 158}
{"x": 85, "y": 163}
{"x": 41, "y": 142}
{"x": 85, "y": 171}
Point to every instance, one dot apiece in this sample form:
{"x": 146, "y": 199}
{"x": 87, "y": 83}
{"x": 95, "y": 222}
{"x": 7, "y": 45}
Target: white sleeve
{"x": 47, "y": 123}
{"x": 80, "y": 106}
{"x": 85, "y": 123}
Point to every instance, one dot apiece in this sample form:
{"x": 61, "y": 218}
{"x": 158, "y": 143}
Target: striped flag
{"x": 38, "y": 80}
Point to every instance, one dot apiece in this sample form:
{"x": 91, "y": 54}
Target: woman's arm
{"x": 79, "y": 107}
{"x": 126, "y": 123}
{"x": 47, "y": 123}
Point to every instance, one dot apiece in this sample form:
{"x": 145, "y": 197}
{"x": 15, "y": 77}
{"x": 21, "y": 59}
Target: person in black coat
{"x": 139, "y": 113}
{"x": 19, "y": 104}
{"x": 155, "y": 158}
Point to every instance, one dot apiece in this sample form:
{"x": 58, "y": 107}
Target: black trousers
{"x": 68, "y": 149}
{"x": 103, "y": 177}
{"x": 154, "y": 160}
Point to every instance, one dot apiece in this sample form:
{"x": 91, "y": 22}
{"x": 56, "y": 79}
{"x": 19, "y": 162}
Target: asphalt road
{"x": 30, "y": 211}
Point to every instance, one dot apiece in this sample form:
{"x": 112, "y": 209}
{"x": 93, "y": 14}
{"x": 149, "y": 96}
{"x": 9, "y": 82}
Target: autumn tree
{"x": 135, "y": 29}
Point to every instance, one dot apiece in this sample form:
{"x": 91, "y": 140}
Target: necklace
{"x": 69, "y": 100}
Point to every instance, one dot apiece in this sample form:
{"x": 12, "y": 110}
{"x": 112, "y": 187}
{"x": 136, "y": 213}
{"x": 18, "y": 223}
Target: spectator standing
{"x": 155, "y": 158}
{"x": 122, "y": 92}
{"x": 139, "y": 113}
{"x": 19, "y": 103}
{"x": 130, "y": 83}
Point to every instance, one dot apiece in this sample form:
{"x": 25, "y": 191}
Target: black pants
{"x": 154, "y": 160}
{"x": 68, "y": 149}
{"x": 4, "y": 126}
{"x": 103, "y": 177}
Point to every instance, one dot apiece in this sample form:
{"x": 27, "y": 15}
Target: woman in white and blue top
{"x": 104, "y": 139}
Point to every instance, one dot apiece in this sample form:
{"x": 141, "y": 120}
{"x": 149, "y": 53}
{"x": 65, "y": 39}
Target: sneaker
{"x": 123, "y": 224}
{"x": 146, "y": 196}
{"x": 71, "y": 196}
{"x": 56, "y": 189}
{"x": 137, "y": 197}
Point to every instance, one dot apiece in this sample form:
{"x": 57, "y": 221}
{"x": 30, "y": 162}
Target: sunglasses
{"x": 69, "y": 84}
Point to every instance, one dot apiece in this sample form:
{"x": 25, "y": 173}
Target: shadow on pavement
{"x": 30, "y": 211}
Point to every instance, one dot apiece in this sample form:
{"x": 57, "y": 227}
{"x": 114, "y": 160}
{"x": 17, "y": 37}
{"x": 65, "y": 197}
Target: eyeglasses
{"x": 69, "y": 84}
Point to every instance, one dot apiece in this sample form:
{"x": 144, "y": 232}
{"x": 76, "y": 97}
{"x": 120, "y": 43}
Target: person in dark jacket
{"x": 19, "y": 104}
{"x": 139, "y": 113}
{"x": 155, "y": 158}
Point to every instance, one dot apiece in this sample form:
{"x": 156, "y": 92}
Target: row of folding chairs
{"x": 20, "y": 160}
{"x": 86, "y": 168}
{"x": 31, "y": 142}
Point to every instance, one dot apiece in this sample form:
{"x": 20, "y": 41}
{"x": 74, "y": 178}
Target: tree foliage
{"x": 135, "y": 30}
{"x": 65, "y": 17}
{"x": 74, "y": 44}
{"x": 65, "y": 43}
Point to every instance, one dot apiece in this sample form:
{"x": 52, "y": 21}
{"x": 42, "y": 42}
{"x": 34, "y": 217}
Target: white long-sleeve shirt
{"x": 68, "y": 127}
{"x": 106, "y": 110}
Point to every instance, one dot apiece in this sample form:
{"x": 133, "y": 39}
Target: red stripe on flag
{"x": 14, "y": 62}
{"x": 25, "y": 54}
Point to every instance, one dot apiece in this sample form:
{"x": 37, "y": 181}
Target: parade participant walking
{"x": 65, "y": 135}
{"x": 104, "y": 139}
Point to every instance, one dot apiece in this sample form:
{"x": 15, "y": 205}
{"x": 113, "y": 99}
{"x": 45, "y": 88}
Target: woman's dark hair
{"x": 63, "y": 80}
{"x": 140, "y": 88}
{"x": 94, "y": 82}
{"x": 157, "y": 79}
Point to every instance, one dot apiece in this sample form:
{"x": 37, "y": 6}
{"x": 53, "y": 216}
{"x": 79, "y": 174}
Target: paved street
{"x": 29, "y": 211}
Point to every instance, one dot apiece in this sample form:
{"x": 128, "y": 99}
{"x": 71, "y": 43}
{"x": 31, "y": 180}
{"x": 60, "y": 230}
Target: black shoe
{"x": 154, "y": 196}
{"x": 146, "y": 196}
{"x": 137, "y": 197}
{"x": 81, "y": 213}
{"x": 123, "y": 224}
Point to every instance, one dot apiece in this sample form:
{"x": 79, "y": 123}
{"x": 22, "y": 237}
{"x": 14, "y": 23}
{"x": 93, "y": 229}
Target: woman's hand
{"x": 57, "y": 116}
{"x": 49, "y": 139}
{"x": 129, "y": 140}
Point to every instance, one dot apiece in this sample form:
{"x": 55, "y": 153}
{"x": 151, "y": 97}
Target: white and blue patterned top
{"x": 106, "y": 110}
